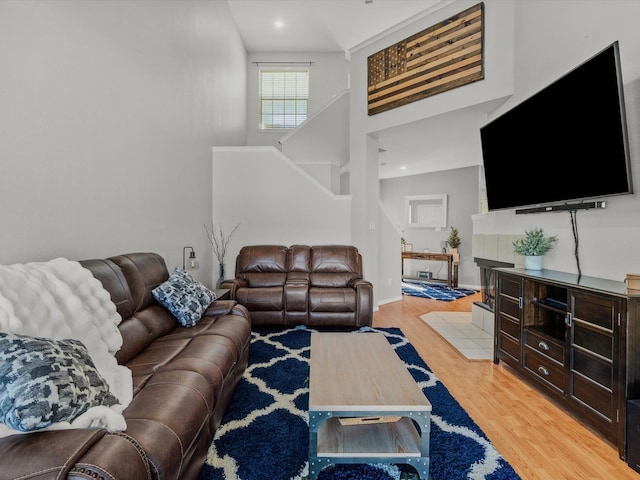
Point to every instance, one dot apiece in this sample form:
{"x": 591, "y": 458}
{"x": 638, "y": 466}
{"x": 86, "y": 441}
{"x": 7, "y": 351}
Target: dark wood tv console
{"x": 575, "y": 338}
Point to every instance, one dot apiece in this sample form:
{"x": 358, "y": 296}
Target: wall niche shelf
{"x": 426, "y": 211}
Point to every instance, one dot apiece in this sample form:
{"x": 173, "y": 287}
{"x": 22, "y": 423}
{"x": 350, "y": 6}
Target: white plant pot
{"x": 533, "y": 262}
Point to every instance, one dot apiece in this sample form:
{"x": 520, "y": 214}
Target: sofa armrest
{"x": 116, "y": 456}
{"x": 296, "y": 301}
{"x": 232, "y": 284}
{"x": 219, "y": 307}
{"x": 364, "y": 298}
{"x": 72, "y": 453}
{"x": 297, "y": 278}
{"x": 226, "y": 307}
{"x": 359, "y": 282}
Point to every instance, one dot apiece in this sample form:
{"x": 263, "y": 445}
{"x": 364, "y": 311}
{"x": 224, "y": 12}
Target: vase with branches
{"x": 219, "y": 242}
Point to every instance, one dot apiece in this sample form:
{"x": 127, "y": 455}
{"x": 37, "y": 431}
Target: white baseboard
{"x": 388, "y": 300}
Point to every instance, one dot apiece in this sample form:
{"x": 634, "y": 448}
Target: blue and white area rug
{"x": 435, "y": 291}
{"x": 264, "y": 434}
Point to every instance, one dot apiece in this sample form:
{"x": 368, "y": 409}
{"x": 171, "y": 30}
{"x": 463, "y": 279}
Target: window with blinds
{"x": 284, "y": 98}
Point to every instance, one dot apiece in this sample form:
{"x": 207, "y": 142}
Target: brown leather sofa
{"x": 319, "y": 286}
{"x": 183, "y": 379}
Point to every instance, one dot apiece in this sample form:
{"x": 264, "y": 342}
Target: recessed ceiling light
{"x": 403, "y": 167}
{"x": 279, "y": 23}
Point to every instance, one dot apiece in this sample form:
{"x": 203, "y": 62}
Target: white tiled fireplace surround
{"x": 496, "y": 248}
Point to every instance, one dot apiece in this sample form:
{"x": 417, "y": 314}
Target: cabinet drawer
{"x": 509, "y": 307}
{"x": 598, "y": 370}
{"x": 595, "y": 397}
{"x": 596, "y": 340}
{"x": 510, "y": 286}
{"x": 509, "y": 346}
{"x": 509, "y": 326}
{"x": 594, "y": 309}
{"x": 545, "y": 369}
{"x": 544, "y": 346}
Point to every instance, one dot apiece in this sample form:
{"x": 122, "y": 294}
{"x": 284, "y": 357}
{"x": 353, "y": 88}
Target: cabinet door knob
{"x": 543, "y": 345}
{"x": 543, "y": 370}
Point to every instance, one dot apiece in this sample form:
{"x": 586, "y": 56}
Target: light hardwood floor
{"x": 536, "y": 436}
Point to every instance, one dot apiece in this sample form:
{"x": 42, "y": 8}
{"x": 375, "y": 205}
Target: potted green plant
{"x": 532, "y": 246}
{"x": 454, "y": 240}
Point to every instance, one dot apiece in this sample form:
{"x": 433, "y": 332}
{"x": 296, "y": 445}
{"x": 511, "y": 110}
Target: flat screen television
{"x": 566, "y": 143}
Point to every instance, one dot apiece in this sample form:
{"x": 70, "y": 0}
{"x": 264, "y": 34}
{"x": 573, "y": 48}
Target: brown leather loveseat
{"x": 183, "y": 380}
{"x": 320, "y": 286}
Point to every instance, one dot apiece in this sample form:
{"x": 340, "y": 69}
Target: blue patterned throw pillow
{"x": 45, "y": 381}
{"x": 184, "y": 297}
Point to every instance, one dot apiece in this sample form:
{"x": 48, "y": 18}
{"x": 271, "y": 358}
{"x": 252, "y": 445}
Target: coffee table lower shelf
{"x": 369, "y": 440}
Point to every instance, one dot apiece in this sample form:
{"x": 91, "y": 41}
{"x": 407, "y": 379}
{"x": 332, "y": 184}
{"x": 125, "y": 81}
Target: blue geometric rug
{"x": 264, "y": 434}
{"x": 435, "y": 291}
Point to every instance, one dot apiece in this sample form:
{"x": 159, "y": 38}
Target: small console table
{"x": 222, "y": 293}
{"x": 450, "y": 258}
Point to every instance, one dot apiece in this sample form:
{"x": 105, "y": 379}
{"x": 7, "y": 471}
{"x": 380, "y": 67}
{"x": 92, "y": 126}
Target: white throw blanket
{"x": 60, "y": 299}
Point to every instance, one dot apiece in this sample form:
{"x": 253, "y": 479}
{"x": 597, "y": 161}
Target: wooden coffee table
{"x": 364, "y": 405}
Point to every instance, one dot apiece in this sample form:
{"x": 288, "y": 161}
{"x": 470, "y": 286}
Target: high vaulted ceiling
{"x": 435, "y": 144}
{"x": 318, "y": 25}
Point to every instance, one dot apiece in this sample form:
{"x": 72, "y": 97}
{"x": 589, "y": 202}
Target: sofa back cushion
{"x": 263, "y": 265}
{"x": 334, "y": 265}
{"x": 130, "y": 279}
{"x": 299, "y": 264}
{"x": 144, "y": 272}
{"x": 114, "y": 282}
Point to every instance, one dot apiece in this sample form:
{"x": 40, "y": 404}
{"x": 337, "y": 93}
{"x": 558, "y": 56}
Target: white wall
{"x": 549, "y": 42}
{"x": 328, "y": 77}
{"x": 108, "y": 114}
{"x": 321, "y": 144}
{"x": 388, "y": 287}
{"x": 275, "y": 202}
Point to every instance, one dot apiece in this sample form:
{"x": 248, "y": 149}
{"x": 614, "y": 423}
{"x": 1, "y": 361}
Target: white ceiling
{"x": 318, "y": 25}
{"x": 436, "y": 144}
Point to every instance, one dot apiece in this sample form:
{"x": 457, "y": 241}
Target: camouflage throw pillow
{"x": 44, "y": 381}
{"x": 185, "y": 297}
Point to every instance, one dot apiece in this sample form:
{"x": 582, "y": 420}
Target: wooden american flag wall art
{"x": 440, "y": 58}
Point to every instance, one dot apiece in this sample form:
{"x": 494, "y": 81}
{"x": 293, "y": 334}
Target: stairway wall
{"x": 278, "y": 203}
{"x": 321, "y": 144}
